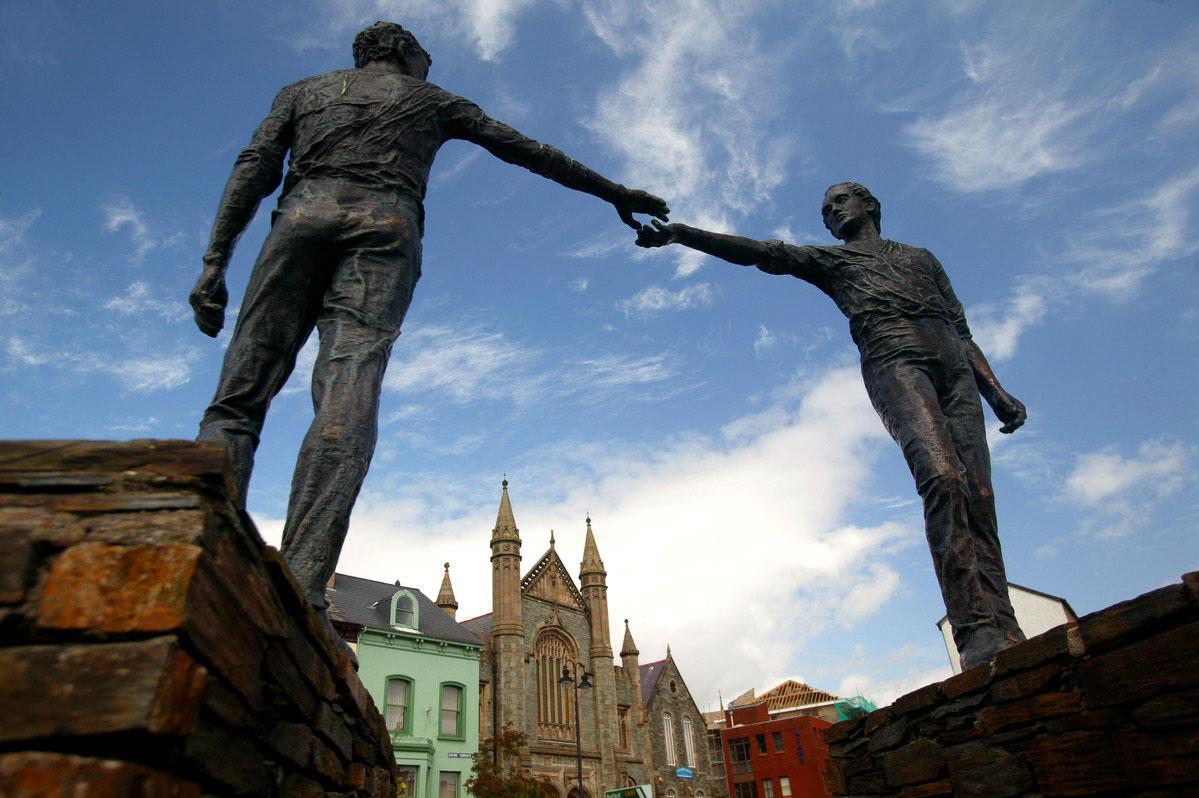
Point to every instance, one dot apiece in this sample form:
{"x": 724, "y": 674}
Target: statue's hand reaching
{"x": 657, "y": 236}
{"x": 636, "y": 201}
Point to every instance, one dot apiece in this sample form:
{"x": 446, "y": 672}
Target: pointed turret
{"x": 507, "y": 629}
{"x": 505, "y": 522}
{"x": 630, "y": 665}
{"x": 445, "y": 596}
{"x": 628, "y": 647}
{"x": 593, "y": 585}
{"x": 591, "y": 560}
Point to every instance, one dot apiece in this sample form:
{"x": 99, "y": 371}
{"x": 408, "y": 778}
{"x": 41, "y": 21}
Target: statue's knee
{"x": 945, "y": 482}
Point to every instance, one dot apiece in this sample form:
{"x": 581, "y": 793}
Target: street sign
{"x": 640, "y": 791}
{"x": 684, "y": 773}
{"x": 460, "y": 755}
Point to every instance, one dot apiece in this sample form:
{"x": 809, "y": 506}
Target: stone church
{"x": 638, "y": 724}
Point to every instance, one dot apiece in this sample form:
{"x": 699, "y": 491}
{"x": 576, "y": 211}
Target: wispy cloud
{"x": 120, "y": 214}
{"x": 998, "y": 331}
{"x": 139, "y": 299}
{"x": 1023, "y": 110}
{"x": 705, "y": 137}
{"x": 136, "y": 374}
{"x": 655, "y": 299}
{"x": 1120, "y": 492}
{"x": 578, "y": 285}
{"x": 16, "y": 261}
{"x": 464, "y": 364}
{"x": 602, "y": 377}
{"x": 764, "y": 340}
{"x": 1126, "y": 243}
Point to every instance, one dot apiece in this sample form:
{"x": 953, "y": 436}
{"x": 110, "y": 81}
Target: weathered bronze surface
{"x": 923, "y": 373}
{"x": 343, "y": 256}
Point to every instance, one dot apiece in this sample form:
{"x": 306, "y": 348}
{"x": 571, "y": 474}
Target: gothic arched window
{"x": 555, "y": 707}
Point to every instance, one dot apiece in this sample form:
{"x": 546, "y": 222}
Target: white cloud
{"x": 135, "y": 374}
{"x": 147, "y": 374}
{"x": 16, "y": 262}
{"x": 465, "y": 364}
{"x": 20, "y": 350}
{"x": 705, "y": 137}
{"x": 578, "y": 285}
{"x": 656, "y": 299}
{"x": 121, "y": 214}
{"x": 770, "y": 504}
{"x": 997, "y": 335}
{"x": 1122, "y": 491}
{"x": 600, "y": 377}
{"x": 1022, "y": 112}
{"x": 1125, "y": 244}
{"x": 138, "y": 299}
{"x": 764, "y": 340}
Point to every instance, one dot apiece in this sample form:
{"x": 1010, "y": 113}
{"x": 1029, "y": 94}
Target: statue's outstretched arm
{"x": 509, "y": 145}
{"x": 735, "y": 249}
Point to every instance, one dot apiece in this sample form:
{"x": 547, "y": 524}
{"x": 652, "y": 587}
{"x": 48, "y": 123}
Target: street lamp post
{"x": 580, "y": 683}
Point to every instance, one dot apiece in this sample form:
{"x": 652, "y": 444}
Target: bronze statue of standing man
{"x": 924, "y": 374}
{"x": 343, "y": 256}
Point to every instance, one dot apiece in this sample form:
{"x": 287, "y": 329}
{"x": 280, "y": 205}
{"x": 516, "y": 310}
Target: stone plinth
{"x": 153, "y": 645}
{"x": 1107, "y": 707}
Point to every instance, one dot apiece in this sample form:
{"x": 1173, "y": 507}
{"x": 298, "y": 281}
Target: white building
{"x": 1036, "y": 612}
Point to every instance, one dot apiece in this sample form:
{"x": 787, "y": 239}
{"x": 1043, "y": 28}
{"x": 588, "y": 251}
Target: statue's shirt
{"x": 376, "y": 128}
{"x": 380, "y": 128}
{"x": 897, "y": 298}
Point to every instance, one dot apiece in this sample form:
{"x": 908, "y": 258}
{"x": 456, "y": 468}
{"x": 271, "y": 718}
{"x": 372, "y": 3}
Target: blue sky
{"x": 750, "y": 509}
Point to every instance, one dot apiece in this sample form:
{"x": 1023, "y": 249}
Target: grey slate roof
{"x": 480, "y": 625}
{"x": 368, "y": 603}
{"x": 651, "y": 672}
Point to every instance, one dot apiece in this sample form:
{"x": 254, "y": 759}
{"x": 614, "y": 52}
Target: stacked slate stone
{"x": 154, "y": 646}
{"x": 1107, "y": 707}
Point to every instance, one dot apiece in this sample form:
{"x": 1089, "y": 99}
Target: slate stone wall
{"x": 1108, "y": 707}
{"x": 151, "y": 644}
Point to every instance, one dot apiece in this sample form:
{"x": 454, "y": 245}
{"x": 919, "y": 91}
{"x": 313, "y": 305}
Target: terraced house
{"x": 422, "y": 669}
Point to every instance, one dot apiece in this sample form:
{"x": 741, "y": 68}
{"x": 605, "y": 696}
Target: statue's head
{"x": 387, "y": 41}
{"x": 847, "y": 206}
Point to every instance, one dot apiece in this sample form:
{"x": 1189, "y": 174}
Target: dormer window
{"x": 403, "y": 610}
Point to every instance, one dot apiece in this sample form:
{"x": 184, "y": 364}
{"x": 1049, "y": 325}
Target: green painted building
{"x": 422, "y": 669}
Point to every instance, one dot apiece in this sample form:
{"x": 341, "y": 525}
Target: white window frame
{"x": 688, "y": 742}
{"x": 668, "y": 736}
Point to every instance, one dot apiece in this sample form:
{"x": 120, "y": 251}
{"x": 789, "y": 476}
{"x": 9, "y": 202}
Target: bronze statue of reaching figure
{"x": 343, "y": 256}
{"x": 923, "y": 373}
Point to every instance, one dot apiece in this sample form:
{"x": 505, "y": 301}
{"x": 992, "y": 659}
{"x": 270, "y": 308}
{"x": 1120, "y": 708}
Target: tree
{"x": 498, "y": 776}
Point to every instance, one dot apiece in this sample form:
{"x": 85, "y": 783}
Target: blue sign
{"x": 683, "y": 773}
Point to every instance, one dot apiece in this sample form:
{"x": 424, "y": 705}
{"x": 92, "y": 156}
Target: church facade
{"x": 633, "y": 719}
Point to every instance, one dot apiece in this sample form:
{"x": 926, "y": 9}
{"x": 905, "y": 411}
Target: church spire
{"x": 507, "y": 628}
{"x": 593, "y": 584}
{"x": 445, "y": 596}
{"x": 505, "y": 522}
{"x": 591, "y": 560}
{"x": 628, "y": 647}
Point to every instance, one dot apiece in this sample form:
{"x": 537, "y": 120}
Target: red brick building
{"x": 781, "y": 756}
